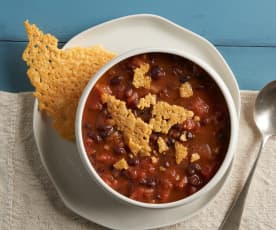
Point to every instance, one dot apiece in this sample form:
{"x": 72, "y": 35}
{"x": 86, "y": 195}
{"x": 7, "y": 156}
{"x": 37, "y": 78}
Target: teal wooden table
{"x": 243, "y": 31}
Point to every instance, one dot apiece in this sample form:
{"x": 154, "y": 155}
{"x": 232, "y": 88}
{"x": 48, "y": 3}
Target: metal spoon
{"x": 265, "y": 119}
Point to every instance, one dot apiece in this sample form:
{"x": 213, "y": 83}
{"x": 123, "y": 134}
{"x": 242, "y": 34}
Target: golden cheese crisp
{"x": 136, "y": 132}
{"x": 181, "y": 152}
{"x": 186, "y": 90}
{"x": 164, "y": 116}
{"x": 162, "y": 146}
{"x": 194, "y": 157}
{"x": 59, "y": 76}
{"x": 140, "y": 79}
{"x": 147, "y": 101}
{"x": 121, "y": 164}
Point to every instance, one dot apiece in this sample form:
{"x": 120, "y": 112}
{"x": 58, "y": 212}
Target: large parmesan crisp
{"x": 59, "y": 76}
{"x": 164, "y": 116}
{"x": 136, "y": 132}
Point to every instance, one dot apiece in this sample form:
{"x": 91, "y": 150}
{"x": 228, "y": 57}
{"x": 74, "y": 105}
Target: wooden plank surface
{"x": 253, "y": 66}
{"x": 243, "y": 31}
{"x": 234, "y": 22}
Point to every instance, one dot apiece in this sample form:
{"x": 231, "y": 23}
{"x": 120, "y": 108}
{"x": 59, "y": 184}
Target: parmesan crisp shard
{"x": 186, "y": 90}
{"x": 121, "y": 164}
{"x": 181, "y": 152}
{"x": 140, "y": 79}
{"x": 135, "y": 131}
{"x": 194, "y": 157}
{"x": 164, "y": 116}
{"x": 147, "y": 101}
{"x": 59, "y": 76}
{"x": 162, "y": 146}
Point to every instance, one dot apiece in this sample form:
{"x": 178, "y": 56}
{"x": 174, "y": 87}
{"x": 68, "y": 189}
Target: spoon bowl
{"x": 265, "y": 110}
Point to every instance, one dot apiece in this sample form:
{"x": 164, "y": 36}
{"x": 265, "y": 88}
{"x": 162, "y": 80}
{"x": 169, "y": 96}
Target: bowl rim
{"x": 233, "y": 127}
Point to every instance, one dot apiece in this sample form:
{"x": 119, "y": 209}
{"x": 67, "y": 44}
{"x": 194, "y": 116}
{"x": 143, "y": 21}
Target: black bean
{"x": 151, "y": 182}
{"x": 153, "y": 137}
{"x": 129, "y": 92}
{"x": 170, "y": 141}
{"x": 100, "y": 169}
{"x": 156, "y": 72}
{"x": 133, "y": 100}
{"x": 105, "y": 130}
{"x": 221, "y": 135}
{"x": 190, "y": 135}
{"x": 177, "y": 127}
{"x": 94, "y": 136}
{"x": 87, "y": 126}
{"x": 183, "y": 78}
{"x": 143, "y": 181}
{"x": 193, "y": 169}
{"x": 116, "y": 80}
{"x": 119, "y": 150}
{"x": 144, "y": 114}
{"x": 133, "y": 161}
{"x": 205, "y": 121}
{"x": 177, "y": 71}
{"x": 195, "y": 180}
{"x": 164, "y": 93}
{"x": 115, "y": 173}
{"x": 106, "y": 113}
{"x": 167, "y": 164}
{"x": 158, "y": 196}
{"x": 174, "y": 133}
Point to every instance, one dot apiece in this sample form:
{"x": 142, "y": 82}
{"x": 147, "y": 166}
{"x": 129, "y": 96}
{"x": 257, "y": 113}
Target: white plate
{"x": 61, "y": 159}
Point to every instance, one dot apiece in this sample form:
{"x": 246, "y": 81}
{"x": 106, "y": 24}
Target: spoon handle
{"x": 233, "y": 216}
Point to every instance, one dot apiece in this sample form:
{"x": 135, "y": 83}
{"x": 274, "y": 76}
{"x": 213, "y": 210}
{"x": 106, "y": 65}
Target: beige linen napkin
{"x": 28, "y": 199}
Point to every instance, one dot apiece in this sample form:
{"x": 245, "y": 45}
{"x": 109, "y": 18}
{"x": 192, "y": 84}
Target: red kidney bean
{"x": 200, "y": 107}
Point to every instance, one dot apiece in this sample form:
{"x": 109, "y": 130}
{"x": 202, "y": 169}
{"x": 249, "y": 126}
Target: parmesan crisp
{"x": 164, "y": 116}
{"x": 59, "y": 76}
{"x": 136, "y": 132}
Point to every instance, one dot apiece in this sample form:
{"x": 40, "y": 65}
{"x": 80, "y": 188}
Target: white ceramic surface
{"x": 233, "y": 119}
{"x": 60, "y": 158}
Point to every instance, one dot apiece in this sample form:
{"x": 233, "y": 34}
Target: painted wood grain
{"x": 253, "y": 66}
{"x": 234, "y": 22}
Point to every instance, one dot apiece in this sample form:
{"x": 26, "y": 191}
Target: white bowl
{"x": 233, "y": 128}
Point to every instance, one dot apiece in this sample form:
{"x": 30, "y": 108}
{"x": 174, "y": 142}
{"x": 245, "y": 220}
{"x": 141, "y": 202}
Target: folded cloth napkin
{"x": 28, "y": 199}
